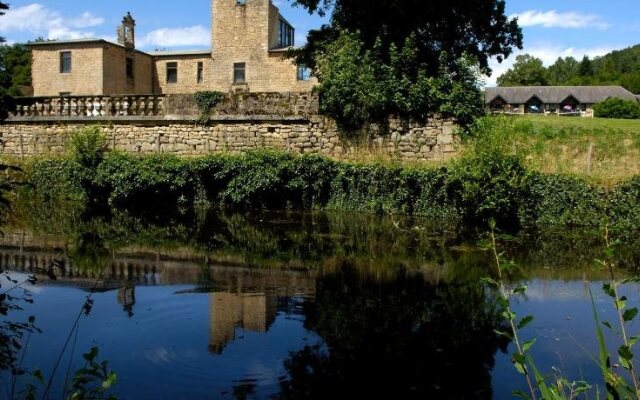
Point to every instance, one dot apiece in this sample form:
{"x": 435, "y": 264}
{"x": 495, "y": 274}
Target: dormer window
{"x": 286, "y": 34}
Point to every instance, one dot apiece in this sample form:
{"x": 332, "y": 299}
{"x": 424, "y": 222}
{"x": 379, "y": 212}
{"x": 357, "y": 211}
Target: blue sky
{"x": 552, "y": 28}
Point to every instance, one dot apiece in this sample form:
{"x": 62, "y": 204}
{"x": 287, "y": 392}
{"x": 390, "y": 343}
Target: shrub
{"x": 206, "y": 102}
{"x": 138, "y": 182}
{"x": 617, "y": 108}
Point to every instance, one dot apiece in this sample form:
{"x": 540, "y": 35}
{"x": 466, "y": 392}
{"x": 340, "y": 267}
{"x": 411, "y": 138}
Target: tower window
{"x": 200, "y": 72}
{"x": 172, "y": 72}
{"x": 239, "y": 72}
{"x": 65, "y": 62}
{"x": 286, "y": 34}
{"x": 130, "y": 69}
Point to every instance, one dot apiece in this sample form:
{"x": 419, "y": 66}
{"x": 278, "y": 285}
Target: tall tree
{"x": 479, "y": 29}
{"x": 527, "y": 71}
{"x": 3, "y": 8}
{"x": 586, "y": 67}
{"x": 563, "y": 71}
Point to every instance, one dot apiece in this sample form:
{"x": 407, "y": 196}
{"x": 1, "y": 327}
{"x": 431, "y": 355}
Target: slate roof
{"x": 556, "y": 94}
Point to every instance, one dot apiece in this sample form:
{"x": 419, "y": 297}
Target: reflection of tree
{"x": 402, "y": 338}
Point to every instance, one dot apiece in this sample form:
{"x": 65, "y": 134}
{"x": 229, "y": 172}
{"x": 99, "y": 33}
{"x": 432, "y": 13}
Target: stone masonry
{"x": 404, "y": 141}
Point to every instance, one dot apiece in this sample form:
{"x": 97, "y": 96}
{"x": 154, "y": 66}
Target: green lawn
{"x": 563, "y": 145}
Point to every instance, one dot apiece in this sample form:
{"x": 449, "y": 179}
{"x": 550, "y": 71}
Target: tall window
{"x": 304, "y": 73}
{"x": 172, "y": 72}
{"x": 200, "y": 73}
{"x": 239, "y": 72}
{"x": 130, "y": 69}
{"x": 65, "y": 62}
{"x": 286, "y": 34}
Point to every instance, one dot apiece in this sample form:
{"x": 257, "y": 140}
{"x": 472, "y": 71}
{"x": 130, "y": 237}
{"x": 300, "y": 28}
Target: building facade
{"x": 562, "y": 100}
{"x": 248, "y": 45}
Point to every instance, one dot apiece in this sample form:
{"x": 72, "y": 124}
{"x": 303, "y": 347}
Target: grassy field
{"x": 606, "y": 151}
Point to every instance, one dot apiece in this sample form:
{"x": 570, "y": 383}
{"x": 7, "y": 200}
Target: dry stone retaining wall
{"x": 403, "y": 141}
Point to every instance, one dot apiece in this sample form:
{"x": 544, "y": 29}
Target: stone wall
{"x": 281, "y": 104}
{"x": 434, "y": 140}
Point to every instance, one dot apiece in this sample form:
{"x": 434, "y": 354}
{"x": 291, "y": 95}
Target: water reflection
{"x": 292, "y": 306}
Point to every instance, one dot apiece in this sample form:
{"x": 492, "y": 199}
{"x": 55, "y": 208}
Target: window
{"x": 241, "y": 2}
{"x": 304, "y": 73}
{"x": 65, "y": 62}
{"x": 172, "y": 72}
{"x": 65, "y": 94}
{"x": 286, "y": 34}
{"x": 239, "y": 72}
{"x": 130, "y": 69}
{"x": 200, "y": 73}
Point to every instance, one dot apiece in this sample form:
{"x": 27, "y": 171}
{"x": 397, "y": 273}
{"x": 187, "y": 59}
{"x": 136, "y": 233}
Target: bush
{"x": 617, "y": 108}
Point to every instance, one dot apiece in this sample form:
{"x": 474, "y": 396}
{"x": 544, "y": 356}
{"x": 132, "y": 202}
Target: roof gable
{"x": 556, "y": 94}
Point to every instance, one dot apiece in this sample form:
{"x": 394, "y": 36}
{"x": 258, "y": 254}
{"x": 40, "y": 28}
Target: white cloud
{"x": 177, "y": 37}
{"x": 554, "y": 19}
{"x": 41, "y": 21}
{"x": 548, "y": 54}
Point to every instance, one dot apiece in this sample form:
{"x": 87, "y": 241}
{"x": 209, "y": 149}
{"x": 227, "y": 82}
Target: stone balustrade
{"x": 88, "y": 107}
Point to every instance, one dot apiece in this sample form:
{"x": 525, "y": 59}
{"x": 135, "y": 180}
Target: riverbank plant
{"x": 490, "y": 180}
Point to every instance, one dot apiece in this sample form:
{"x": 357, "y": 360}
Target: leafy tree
{"x": 527, "y": 71}
{"x": 586, "y": 67}
{"x": 475, "y": 28}
{"x": 563, "y": 71}
{"x": 15, "y": 68}
{"x": 357, "y": 87}
{"x": 617, "y": 108}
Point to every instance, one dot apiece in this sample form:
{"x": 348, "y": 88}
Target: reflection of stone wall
{"x": 252, "y": 312}
{"x": 434, "y": 140}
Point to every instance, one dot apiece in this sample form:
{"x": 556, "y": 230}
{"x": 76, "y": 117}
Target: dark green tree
{"x": 15, "y": 69}
{"x": 586, "y": 67}
{"x": 527, "y": 71}
{"x": 479, "y": 29}
{"x": 563, "y": 71}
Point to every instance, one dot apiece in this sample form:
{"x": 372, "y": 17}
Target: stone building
{"x": 248, "y": 43}
{"x": 562, "y": 100}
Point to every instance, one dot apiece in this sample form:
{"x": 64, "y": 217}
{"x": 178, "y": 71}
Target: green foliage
{"x": 137, "y": 182}
{"x": 617, "y": 108}
{"x": 620, "y": 67}
{"x": 88, "y": 147}
{"x": 482, "y": 29}
{"x": 94, "y": 381}
{"x": 489, "y": 181}
{"x": 526, "y": 71}
{"x": 206, "y": 102}
{"x": 358, "y": 86}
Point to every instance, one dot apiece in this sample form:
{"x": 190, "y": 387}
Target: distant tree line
{"x": 620, "y": 67}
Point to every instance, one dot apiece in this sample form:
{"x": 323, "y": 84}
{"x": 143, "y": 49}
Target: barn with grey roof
{"x": 563, "y": 100}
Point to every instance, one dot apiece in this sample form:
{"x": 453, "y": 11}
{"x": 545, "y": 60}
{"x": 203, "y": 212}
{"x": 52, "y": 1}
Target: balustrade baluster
{"x": 125, "y": 106}
{"x": 142, "y": 106}
{"x": 96, "y": 107}
{"x": 74, "y": 106}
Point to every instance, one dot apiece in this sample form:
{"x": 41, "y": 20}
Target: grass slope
{"x": 561, "y": 145}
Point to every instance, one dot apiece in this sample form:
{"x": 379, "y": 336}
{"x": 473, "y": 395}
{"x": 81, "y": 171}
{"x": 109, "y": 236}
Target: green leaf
{"x": 527, "y": 345}
{"x": 491, "y": 282}
{"x": 630, "y": 314}
{"x": 607, "y": 324}
{"x": 110, "y": 381}
{"x": 608, "y": 289}
{"x": 621, "y": 304}
{"x": 505, "y": 334}
{"x": 524, "y": 322}
{"x": 625, "y": 353}
{"x": 520, "y": 290}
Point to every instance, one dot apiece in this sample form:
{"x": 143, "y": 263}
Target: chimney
{"x": 126, "y": 32}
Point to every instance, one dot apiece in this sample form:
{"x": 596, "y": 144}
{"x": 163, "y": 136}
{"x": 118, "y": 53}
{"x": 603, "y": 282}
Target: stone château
{"x": 248, "y": 44}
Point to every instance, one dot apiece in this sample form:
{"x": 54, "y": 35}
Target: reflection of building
{"x": 127, "y": 297}
{"x": 563, "y": 100}
{"x": 251, "y": 312}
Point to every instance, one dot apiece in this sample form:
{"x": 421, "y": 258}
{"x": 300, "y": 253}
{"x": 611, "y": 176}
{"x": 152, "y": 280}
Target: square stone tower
{"x": 249, "y": 38}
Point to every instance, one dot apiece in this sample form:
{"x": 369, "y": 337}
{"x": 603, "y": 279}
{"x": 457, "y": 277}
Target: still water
{"x": 219, "y": 305}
